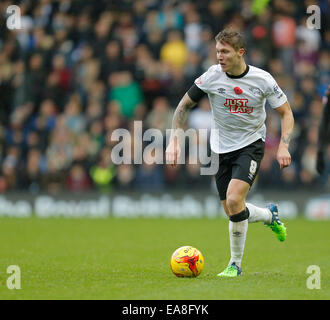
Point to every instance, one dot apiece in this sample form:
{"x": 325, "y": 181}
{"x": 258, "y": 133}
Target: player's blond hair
{"x": 232, "y": 37}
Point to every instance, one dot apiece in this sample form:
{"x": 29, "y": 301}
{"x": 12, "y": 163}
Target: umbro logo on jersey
{"x": 221, "y": 90}
{"x": 238, "y": 106}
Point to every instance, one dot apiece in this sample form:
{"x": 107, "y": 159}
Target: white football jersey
{"x": 238, "y": 105}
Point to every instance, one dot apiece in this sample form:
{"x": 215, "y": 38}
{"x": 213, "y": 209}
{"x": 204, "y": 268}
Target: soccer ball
{"x": 187, "y": 261}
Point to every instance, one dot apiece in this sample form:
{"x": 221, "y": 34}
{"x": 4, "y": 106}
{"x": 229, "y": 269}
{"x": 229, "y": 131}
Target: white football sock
{"x": 237, "y": 236}
{"x": 259, "y": 214}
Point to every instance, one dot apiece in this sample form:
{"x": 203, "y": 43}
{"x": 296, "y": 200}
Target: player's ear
{"x": 241, "y": 51}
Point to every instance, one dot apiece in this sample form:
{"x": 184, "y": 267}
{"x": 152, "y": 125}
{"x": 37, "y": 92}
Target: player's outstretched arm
{"x": 179, "y": 119}
{"x": 287, "y": 123}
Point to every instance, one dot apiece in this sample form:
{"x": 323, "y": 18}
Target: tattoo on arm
{"x": 286, "y": 139}
{"x": 181, "y": 112}
{"x": 287, "y": 123}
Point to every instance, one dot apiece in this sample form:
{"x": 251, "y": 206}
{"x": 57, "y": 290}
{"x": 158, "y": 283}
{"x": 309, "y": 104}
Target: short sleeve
{"x": 195, "y": 93}
{"x": 203, "y": 82}
{"x": 274, "y": 94}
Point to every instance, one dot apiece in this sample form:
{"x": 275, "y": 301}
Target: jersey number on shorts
{"x": 253, "y": 167}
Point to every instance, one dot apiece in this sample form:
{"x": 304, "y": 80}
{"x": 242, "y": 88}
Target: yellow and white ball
{"x": 187, "y": 261}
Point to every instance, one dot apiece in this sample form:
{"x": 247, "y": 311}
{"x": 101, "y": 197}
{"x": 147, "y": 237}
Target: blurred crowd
{"x": 77, "y": 70}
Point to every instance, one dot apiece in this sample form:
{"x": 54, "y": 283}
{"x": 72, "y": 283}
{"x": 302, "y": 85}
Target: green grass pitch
{"x": 129, "y": 259}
